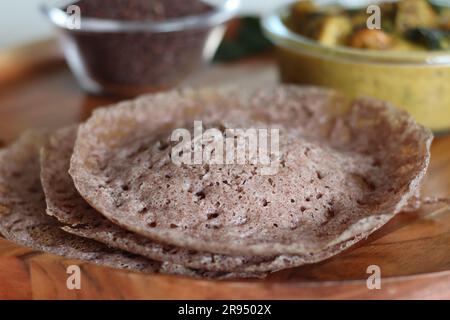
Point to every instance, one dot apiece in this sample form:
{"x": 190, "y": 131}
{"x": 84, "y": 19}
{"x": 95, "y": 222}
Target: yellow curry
{"x": 402, "y": 26}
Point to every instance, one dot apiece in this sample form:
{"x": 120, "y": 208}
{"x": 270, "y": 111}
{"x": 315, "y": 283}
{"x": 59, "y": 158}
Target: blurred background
{"x": 21, "y": 21}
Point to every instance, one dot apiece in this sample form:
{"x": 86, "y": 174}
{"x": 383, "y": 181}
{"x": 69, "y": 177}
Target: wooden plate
{"x": 412, "y": 251}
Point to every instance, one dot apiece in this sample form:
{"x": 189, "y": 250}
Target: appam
{"x": 65, "y": 204}
{"x": 23, "y": 219}
{"x": 345, "y": 170}
{"x": 22, "y": 212}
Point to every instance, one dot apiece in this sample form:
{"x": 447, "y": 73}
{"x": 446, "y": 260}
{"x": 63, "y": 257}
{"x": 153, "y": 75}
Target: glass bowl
{"x": 131, "y": 57}
{"x": 418, "y": 82}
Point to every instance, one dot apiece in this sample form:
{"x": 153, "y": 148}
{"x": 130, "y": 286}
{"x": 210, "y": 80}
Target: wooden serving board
{"x": 413, "y": 250}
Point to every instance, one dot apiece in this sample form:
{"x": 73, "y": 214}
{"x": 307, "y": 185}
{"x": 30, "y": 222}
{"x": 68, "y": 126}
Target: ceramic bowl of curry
{"x": 401, "y": 65}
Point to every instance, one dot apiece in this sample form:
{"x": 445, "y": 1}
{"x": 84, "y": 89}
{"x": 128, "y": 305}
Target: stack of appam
{"x": 107, "y": 192}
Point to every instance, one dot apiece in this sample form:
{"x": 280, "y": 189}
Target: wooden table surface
{"x": 413, "y": 250}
